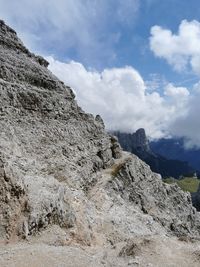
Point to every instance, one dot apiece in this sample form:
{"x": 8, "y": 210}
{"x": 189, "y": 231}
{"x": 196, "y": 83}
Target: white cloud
{"x": 180, "y": 50}
{"x": 187, "y": 124}
{"x": 178, "y": 98}
{"x": 120, "y": 96}
{"x": 155, "y": 82}
{"x": 176, "y": 92}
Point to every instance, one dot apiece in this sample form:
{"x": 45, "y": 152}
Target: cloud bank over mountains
{"x": 182, "y": 52}
{"x": 121, "y": 97}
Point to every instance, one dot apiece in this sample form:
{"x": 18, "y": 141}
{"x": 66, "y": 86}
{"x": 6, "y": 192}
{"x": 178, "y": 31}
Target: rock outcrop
{"x": 59, "y": 167}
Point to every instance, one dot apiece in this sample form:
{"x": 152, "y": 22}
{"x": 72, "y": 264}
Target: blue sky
{"x": 119, "y": 42}
{"x": 143, "y": 54}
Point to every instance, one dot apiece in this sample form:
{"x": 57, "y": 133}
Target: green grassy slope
{"x": 186, "y": 184}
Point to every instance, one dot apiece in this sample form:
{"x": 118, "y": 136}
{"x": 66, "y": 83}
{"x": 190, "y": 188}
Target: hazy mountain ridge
{"x": 174, "y": 149}
{"x": 139, "y": 144}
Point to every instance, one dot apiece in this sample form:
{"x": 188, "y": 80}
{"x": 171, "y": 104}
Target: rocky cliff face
{"x": 59, "y": 168}
{"x": 45, "y": 139}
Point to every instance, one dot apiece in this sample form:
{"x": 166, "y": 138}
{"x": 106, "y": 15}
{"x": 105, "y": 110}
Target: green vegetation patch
{"x": 188, "y": 184}
{"x": 169, "y": 180}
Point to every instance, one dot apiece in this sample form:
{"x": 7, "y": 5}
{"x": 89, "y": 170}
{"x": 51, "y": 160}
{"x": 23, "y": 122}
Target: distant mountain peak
{"x": 140, "y": 141}
{"x": 138, "y": 144}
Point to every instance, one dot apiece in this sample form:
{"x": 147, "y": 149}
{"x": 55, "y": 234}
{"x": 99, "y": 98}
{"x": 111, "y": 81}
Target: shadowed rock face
{"x": 59, "y": 166}
{"x": 136, "y": 143}
{"x": 141, "y": 142}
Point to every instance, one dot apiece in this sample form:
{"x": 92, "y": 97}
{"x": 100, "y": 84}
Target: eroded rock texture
{"x": 46, "y": 141}
{"x": 59, "y": 167}
{"x": 167, "y": 204}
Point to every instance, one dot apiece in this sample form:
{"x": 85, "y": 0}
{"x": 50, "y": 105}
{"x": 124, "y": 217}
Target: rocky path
{"x": 148, "y": 252}
{"x": 106, "y": 174}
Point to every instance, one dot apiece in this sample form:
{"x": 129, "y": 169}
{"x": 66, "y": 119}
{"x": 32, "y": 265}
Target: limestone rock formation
{"x": 64, "y": 181}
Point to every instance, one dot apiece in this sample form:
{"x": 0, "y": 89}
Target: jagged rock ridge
{"x": 58, "y": 167}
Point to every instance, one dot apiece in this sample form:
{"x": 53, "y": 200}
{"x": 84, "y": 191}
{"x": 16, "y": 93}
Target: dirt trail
{"x": 146, "y": 252}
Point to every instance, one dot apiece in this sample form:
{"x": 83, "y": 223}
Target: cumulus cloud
{"x": 155, "y": 82}
{"x": 176, "y": 92}
{"x": 120, "y": 96}
{"x": 187, "y": 124}
{"x": 180, "y": 50}
{"x": 82, "y": 29}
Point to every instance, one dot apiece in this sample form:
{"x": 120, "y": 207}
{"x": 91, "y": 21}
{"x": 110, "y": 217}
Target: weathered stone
{"x": 166, "y": 204}
{"x": 48, "y": 143}
{"x": 58, "y": 166}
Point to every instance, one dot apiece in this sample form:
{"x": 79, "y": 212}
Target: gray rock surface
{"x": 166, "y": 204}
{"x": 46, "y": 140}
{"x": 60, "y": 172}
